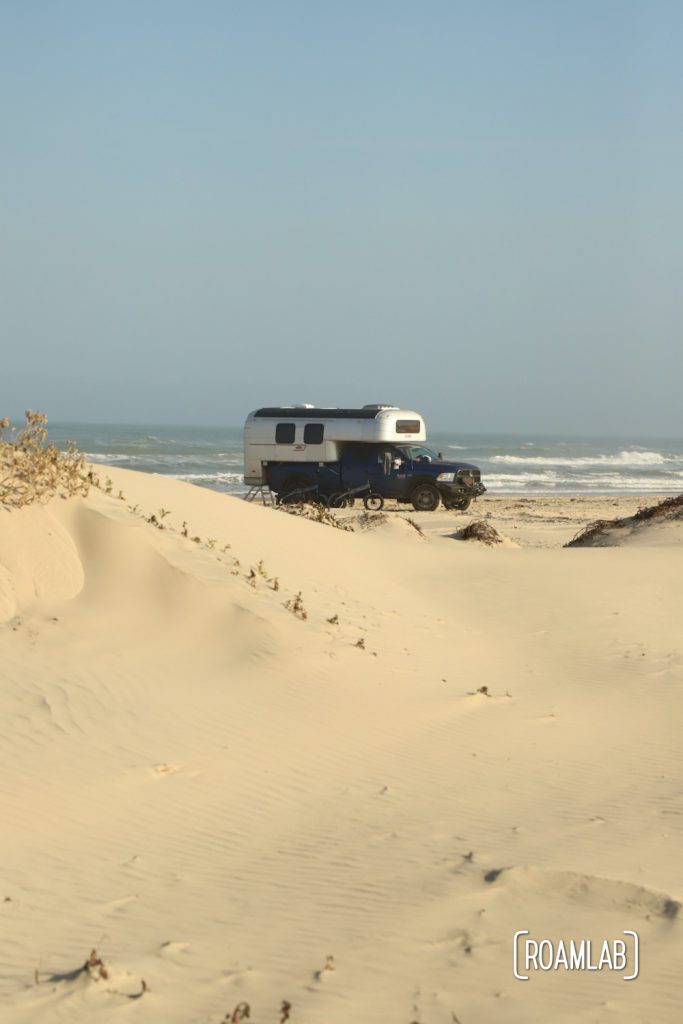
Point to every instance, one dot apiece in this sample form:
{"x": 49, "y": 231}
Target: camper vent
{"x": 380, "y": 406}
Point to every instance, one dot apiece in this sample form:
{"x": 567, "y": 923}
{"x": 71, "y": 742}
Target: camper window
{"x": 284, "y": 433}
{"x": 313, "y": 433}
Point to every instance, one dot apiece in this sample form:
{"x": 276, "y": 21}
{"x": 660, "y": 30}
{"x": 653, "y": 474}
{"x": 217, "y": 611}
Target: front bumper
{"x": 462, "y": 491}
{"x": 462, "y": 487}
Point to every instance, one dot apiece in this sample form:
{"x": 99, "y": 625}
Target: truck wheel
{"x": 373, "y": 502}
{"x": 425, "y": 498}
{"x": 459, "y": 504}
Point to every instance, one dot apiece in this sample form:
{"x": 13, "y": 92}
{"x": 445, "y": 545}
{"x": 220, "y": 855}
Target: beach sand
{"x": 225, "y": 760}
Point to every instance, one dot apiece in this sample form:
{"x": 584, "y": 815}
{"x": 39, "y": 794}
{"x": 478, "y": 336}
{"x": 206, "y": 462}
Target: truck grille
{"x": 469, "y": 477}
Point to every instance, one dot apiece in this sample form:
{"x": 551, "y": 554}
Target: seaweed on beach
{"x": 595, "y": 529}
{"x": 480, "y": 530}
{"x": 669, "y": 509}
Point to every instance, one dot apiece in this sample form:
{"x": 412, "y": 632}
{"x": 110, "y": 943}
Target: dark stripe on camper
{"x": 318, "y": 414}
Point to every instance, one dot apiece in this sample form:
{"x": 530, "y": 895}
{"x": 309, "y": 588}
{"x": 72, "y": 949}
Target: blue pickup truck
{"x": 406, "y": 473}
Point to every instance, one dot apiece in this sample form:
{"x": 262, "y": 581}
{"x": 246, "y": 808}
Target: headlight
{"x": 445, "y": 478}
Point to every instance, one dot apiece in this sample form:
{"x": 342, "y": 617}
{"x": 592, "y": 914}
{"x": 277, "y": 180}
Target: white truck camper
{"x": 304, "y": 433}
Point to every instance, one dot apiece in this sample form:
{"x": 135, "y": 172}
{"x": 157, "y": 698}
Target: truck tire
{"x": 459, "y": 504}
{"x": 425, "y": 498}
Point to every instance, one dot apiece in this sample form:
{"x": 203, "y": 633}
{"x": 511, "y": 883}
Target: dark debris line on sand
{"x": 670, "y": 508}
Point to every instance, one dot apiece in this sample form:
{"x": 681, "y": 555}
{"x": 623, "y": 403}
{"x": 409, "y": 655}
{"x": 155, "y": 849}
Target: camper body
{"x": 290, "y": 447}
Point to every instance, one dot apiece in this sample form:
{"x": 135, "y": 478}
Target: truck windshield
{"x": 416, "y": 452}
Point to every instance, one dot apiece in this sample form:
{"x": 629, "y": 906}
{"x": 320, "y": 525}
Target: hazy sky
{"x": 471, "y": 208}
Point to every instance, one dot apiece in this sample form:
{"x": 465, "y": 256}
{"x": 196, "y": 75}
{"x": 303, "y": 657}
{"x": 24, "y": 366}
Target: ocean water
{"x": 212, "y": 457}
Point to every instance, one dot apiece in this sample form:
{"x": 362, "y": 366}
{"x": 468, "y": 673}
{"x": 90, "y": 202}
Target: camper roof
{"x": 368, "y": 412}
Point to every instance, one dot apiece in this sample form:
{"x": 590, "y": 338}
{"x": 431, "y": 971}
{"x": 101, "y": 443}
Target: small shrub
{"x": 296, "y": 607}
{"x": 95, "y": 966}
{"x": 415, "y": 526}
{"x": 328, "y": 966}
{"x": 241, "y": 1012}
{"x": 31, "y": 469}
{"x": 316, "y": 513}
{"x": 371, "y": 520}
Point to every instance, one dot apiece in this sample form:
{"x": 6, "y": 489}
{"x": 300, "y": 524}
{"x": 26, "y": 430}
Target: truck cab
{"x": 411, "y": 473}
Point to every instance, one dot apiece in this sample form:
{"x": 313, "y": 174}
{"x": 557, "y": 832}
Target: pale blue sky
{"x": 471, "y": 208}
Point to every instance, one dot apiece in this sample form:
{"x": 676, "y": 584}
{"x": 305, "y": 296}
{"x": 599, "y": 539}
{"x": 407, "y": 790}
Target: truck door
{"x": 360, "y": 466}
{"x": 374, "y": 464}
{"x": 392, "y": 480}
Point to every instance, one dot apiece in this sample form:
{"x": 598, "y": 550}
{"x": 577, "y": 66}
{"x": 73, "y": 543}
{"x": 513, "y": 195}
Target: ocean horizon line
{"x": 627, "y": 437}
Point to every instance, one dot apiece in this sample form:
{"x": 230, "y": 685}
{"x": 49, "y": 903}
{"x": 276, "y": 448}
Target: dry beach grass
{"x": 32, "y": 469}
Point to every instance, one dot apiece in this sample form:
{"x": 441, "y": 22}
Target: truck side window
{"x": 284, "y": 433}
{"x": 313, "y": 433}
{"x": 363, "y": 454}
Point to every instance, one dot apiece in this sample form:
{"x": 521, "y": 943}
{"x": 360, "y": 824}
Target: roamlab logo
{"x": 542, "y": 954}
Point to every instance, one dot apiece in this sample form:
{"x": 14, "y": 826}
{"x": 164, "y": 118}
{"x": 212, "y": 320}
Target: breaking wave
{"x": 623, "y": 459}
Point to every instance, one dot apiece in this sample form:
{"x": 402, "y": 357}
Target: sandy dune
{"x": 218, "y": 792}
